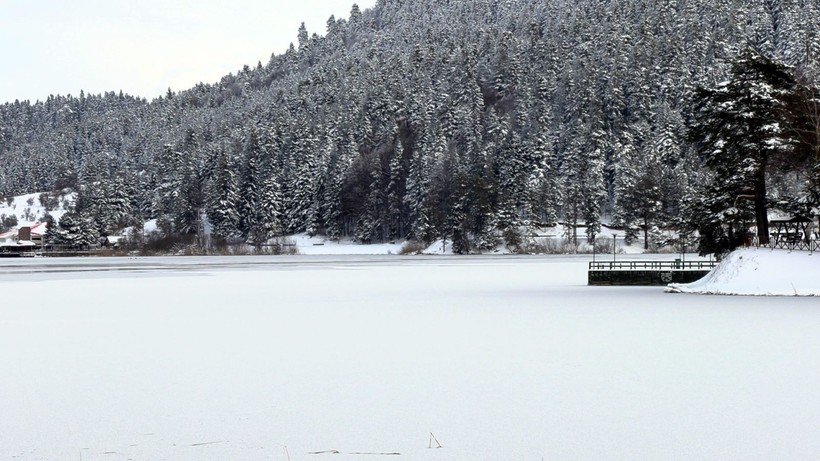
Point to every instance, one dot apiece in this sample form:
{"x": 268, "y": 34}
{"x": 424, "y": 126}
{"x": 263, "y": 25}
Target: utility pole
{"x": 614, "y": 245}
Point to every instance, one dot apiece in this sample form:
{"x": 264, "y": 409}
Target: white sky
{"x": 144, "y": 46}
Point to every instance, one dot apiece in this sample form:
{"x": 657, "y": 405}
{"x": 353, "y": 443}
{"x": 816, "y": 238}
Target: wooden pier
{"x": 647, "y": 273}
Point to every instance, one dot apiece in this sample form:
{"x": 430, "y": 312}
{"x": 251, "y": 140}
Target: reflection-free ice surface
{"x": 501, "y": 358}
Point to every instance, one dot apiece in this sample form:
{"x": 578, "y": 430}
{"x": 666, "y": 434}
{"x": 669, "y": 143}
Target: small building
{"x": 22, "y": 240}
{"x": 112, "y": 241}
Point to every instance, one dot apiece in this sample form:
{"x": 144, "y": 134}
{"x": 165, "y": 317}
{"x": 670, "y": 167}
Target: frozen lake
{"x": 501, "y": 358}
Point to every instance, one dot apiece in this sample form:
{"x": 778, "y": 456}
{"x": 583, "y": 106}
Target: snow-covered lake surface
{"x": 501, "y": 358}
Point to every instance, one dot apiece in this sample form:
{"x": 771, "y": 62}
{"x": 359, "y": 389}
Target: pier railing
{"x": 652, "y": 265}
{"x": 790, "y": 243}
{"x": 647, "y": 273}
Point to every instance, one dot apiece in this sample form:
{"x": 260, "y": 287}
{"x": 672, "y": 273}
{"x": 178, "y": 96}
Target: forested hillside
{"x": 473, "y": 120}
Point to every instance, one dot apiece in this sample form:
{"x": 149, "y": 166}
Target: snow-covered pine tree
{"x": 638, "y": 186}
{"x": 223, "y": 209}
{"x": 740, "y": 131}
{"x": 251, "y": 182}
{"x": 269, "y": 223}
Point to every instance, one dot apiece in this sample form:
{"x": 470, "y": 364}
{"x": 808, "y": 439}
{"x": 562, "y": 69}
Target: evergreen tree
{"x": 52, "y": 236}
{"x": 249, "y": 191}
{"x": 638, "y": 192}
{"x": 223, "y": 211}
{"x": 740, "y": 131}
{"x": 76, "y": 230}
{"x": 269, "y": 223}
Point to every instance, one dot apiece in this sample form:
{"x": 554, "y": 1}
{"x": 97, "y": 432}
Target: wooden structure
{"x": 22, "y": 241}
{"x": 70, "y": 250}
{"x": 647, "y": 273}
{"x": 19, "y": 249}
{"x": 794, "y": 234}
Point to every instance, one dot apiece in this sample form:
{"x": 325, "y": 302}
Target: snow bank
{"x": 439, "y": 247}
{"x": 760, "y": 272}
{"x": 150, "y": 226}
{"x": 319, "y": 245}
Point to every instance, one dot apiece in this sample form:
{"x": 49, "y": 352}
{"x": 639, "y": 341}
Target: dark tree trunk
{"x": 645, "y": 233}
{"x": 761, "y": 211}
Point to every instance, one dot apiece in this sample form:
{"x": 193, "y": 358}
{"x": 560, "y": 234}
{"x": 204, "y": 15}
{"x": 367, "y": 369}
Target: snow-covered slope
{"x": 29, "y": 210}
{"x": 760, "y": 272}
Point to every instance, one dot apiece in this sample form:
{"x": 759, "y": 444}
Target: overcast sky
{"x": 144, "y": 46}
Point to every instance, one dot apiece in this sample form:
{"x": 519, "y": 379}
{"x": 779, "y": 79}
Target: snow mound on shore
{"x": 760, "y": 272}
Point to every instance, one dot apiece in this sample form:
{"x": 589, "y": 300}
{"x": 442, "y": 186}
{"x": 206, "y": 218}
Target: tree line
{"x": 480, "y": 122}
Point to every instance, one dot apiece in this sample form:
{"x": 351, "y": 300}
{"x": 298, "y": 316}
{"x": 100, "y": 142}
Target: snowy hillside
{"x": 28, "y": 209}
{"x": 760, "y": 272}
{"x": 429, "y": 119}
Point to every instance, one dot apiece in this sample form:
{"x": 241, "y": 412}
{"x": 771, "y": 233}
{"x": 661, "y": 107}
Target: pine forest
{"x": 476, "y": 121}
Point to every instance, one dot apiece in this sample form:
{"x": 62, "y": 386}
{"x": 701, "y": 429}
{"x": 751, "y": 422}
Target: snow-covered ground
{"x": 318, "y": 245}
{"x": 28, "y": 210}
{"x": 762, "y": 272}
{"x": 501, "y": 358}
